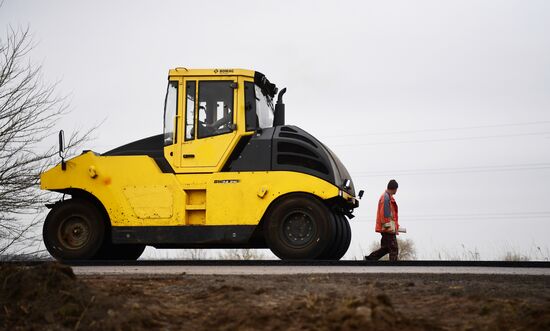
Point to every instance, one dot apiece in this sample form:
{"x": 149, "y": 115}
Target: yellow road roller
{"x": 227, "y": 172}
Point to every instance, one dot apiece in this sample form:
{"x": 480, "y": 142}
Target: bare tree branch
{"x": 29, "y": 111}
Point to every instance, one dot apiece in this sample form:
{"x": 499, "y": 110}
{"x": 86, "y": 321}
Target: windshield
{"x": 264, "y": 108}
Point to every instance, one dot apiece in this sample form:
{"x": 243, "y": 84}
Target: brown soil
{"x": 50, "y": 297}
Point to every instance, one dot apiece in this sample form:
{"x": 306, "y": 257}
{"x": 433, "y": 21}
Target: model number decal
{"x": 226, "y": 181}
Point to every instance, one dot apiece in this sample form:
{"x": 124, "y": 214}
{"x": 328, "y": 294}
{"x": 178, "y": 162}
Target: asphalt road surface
{"x": 282, "y": 270}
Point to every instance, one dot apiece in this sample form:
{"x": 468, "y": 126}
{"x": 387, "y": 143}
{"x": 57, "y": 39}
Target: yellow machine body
{"x": 224, "y": 159}
{"x": 135, "y": 192}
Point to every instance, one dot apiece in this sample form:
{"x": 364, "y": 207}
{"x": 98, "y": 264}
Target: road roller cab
{"x": 225, "y": 173}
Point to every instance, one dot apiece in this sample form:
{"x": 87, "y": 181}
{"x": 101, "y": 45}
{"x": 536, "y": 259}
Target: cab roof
{"x": 267, "y": 87}
{"x": 181, "y": 71}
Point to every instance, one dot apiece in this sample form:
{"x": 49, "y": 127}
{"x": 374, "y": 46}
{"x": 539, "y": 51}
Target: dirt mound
{"x": 49, "y": 296}
{"x": 21, "y": 283}
{"x": 44, "y": 293}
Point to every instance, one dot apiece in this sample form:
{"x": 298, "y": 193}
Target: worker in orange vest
{"x": 387, "y": 224}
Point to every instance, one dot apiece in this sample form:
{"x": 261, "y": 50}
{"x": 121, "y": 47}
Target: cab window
{"x": 215, "y": 113}
{"x": 190, "y": 87}
{"x": 170, "y": 112}
{"x": 250, "y": 107}
{"x": 258, "y": 108}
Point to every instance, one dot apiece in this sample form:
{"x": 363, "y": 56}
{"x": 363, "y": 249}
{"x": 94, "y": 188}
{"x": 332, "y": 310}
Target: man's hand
{"x": 386, "y": 225}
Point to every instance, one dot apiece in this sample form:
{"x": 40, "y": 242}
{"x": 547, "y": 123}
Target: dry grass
{"x": 241, "y": 254}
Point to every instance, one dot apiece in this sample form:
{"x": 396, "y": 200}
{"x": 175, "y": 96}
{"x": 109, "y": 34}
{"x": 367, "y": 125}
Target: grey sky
{"x": 376, "y": 81}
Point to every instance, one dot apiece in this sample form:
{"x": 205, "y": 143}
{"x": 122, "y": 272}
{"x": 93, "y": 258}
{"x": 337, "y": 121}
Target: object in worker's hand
{"x": 403, "y": 230}
{"x": 389, "y": 226}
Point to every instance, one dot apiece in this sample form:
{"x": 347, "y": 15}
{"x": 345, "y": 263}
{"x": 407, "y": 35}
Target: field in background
{"x": 407, "y": 251}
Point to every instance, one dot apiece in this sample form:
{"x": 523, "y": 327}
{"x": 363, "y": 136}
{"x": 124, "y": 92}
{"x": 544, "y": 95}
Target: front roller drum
{"x": 299, "y": 227}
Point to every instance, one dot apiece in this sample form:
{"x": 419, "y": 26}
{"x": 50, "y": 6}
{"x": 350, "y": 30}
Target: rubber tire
{"x": 332, "y": 250}
{"x": 110, "y": 251}
{"x": 61, "y": 212}
{"x": 321, "y": 215}
{"x": 128, "y": 252}
{"x": 342, "y": 241}
{"x": 346, "y": 238}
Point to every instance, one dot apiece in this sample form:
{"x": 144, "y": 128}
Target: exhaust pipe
{"x": 279, "y": 116}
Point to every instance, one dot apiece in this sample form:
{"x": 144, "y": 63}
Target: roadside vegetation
{"x": 197, "y": 254}
{"x": 30, "y": 108}
{"x": 408, "y": 251}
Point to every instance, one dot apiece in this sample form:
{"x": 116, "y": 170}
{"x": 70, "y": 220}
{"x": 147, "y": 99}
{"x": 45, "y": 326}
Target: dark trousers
{"x": 388, "y": 245}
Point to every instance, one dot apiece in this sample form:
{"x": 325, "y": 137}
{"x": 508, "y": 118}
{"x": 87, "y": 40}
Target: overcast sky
{"x": 450, "y": 98}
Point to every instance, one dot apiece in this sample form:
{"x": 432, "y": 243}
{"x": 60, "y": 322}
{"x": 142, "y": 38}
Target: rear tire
{"x": 128, "y": 252}
{"x": 111, "y": 251}
{"x": 299, "y": 227}
{"x": 74, "y": 230}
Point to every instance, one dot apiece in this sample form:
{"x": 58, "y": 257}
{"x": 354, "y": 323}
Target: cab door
{"x": 209, "y": 129}
{"x": 172, "y": 117}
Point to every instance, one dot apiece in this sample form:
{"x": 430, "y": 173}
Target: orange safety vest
{"x": 387, "y": 210}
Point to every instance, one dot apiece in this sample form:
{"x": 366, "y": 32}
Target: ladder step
{"x": 196, "y": 207}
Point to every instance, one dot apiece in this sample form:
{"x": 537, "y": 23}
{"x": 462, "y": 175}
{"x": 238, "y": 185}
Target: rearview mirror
{"x": 61, "y": 142}
{"x": 62, "y": 149}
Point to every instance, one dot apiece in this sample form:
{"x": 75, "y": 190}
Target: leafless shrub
{"x": 29, "y": 110}
{"x": 514, "y": 256}
{"x": 242, "y": 254}
{"x": 407, "y": 251}
{"x": 192, "y": 254}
